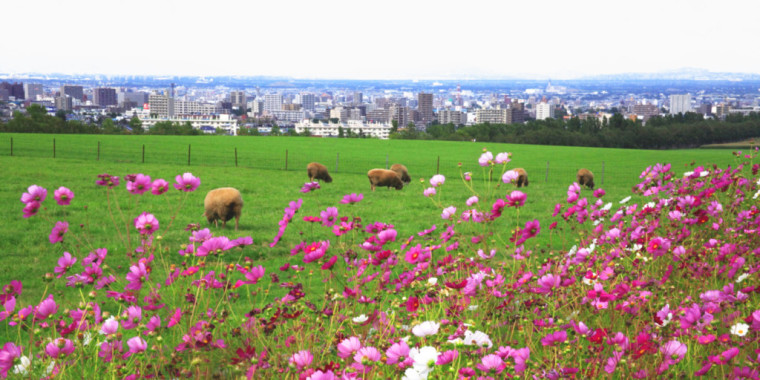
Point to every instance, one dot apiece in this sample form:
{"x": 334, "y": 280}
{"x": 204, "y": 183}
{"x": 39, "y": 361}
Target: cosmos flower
{"x": 429, "y": 192}
{"x": 739, "y": 329}
{"x": 516, "y": 198}
{"x": 448, "y": 212}
{"x": 510, "y": 176}
{"x": 59, "y": 347}
{"x": 437, "y": 180}
{"x": 187, "y": 182}
{"x": 426, "y": 328}
{"x": 139, "y": 184}
{"x": 502, "y": 158}
{"x": 352, "y": 198}
{"x": 63, "y": 196}
{"x": 159, "y": 186}
{"x": 57, "y": 233}
{"x": 486, "y": 159}
{"x": 146, "y": 223}
{"x": 301, "y": 359}
{"x": 310, "y": 186}
{"x": 34, "y": 194}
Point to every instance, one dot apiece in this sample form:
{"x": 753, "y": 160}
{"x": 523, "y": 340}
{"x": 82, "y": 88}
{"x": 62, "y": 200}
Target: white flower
{"x": 688, "y": 174}
{"x": 742, "y": 277}
{"x": 757, "y": 194}
{"x": 426, "y": 328}
{"x": 22, "y": 367}
{"x": 456, "y": 342}
{"x": 360, "y": 319}
{"x": 704, "y": 174}
{"x": 478, "y": 338}
{"x": 739, "y": 329}
{"x": 49, "y": 369}
{"x": 607, "y": 206}
{"x": 432, "y": 280}
{"x": 412, "y": 374}
{"x": 650, "y": 205}
{"x": 472, "y": 307}
{"x": 572, "y": 251}
{"x": 589, "y": 281}
{"x": 87, "y": 338}
{"x": 626, "y": 199}
{"x": 424, "y": 359}
{"x": 596, "y": 222}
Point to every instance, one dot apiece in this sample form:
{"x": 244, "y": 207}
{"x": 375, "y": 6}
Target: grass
{"x": 267, "y": 188}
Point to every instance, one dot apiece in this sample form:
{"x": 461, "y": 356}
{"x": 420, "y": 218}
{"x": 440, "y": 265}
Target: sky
{"x": 379, "y": 39}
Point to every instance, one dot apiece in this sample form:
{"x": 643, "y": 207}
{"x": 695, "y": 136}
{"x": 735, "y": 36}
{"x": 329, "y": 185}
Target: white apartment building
{"x": 376, "y": 130}
{"x": 544, "y": 111}
{"x": 223, "y": 121}
{"x": 272, "y": 102}
{"x": 680, "y": 104}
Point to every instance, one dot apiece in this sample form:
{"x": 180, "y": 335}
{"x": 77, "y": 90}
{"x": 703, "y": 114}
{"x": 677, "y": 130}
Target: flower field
{"x": 460, "y": 276}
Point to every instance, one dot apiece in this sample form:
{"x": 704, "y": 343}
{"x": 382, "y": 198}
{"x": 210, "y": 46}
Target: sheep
{"x": 318, "y": 171}
{"x": 382, "y": 177}
{"x": 402, "y": 173}
{"x": 586, "y": 177}
{"x": 223, "y": 203}
{"x": 522, "y": 177}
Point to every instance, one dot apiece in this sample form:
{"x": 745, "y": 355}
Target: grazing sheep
{"x": 402, "y": 173}
{"x": 586, "y": 177}
{"x": 382, "y": 177}
{"x": 223, "y": 203}
{"x": 522, "y": 177}
{"x": 318, "y": 171}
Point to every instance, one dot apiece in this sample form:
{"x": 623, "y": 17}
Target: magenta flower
{"x": 187, "y": 182}
{"x": 429, "y": 192}
{"x": 108, "y": 349}
{"x": 59, "y": 347}
{"x": 60, "y": 229}
{"x": 448, "y": 212}
{"x": 532, "y": 228}
{"x": 319, "y": 375}
{"x": 516, "y": 198}
{"x": 613, "y": 361}
{"x": 437, "y": 180}
{"x": 8, "y": 356}
{"x": 329, "y": 216}
{"x": 136, "y": 345}
{"x": 30, "y": 209}
{"x": 252, "y": 276}
{"x": 521, "y": 357}
{"x": 109, "y": 327}
{"x": 554, "y": 338}
{"x": 366, "y": 356}
{"x": 399, "y": 353}
{"x": 329, "y": 264}
{"x": 672, "y": 352}
{"x": 315, "y": 251}
{"x": 107, "y": 180}
{"x": 146, "y": 223}
{"x": 348, "y": 347}
{"x": 310, "y": 186}
{"x": 386, "y": 236}
{"x": 63, "y": 196}
{"x": 447, "y": 357}
{"x": 159, "y": 186}
{"x": 301, "y": 359}
{"x": 137, "y": 275}
{"x": 491, "y": 364}
{"x": 34, "y": 194}
{"x": 467, "y": 176}
{"x": 352, "y": 198}
{"x": 175, "y": 318}
{"x": 214, "y": 246}
{"x": 64, "y": 263}
{"x": 486, "y": 159}
{"x": 598, "y": 193}
{"x": 139, "y": 184}
{"x": 131, "y": 317}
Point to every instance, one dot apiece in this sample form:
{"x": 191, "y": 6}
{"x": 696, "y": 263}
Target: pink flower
{"x": 467, "y": 176}
{"x": 437, "y": 180}
{"x": 139, "y": 184}
{"x": 131, "y": 317}
{"x": 56, "y": 234}
{"x": 398, "y": 353}
{"x": 426, "y": 328}
{"x": 516, "y": 198}
{"x": 30, "y": 209}
{"x": 448, "y": 212}
{"x": 187, "y": 182}
{"x": 502, "y": 158}
{"x": 107, "y": 350}
{"x": 34, "y": 194}
{"x": 175, "y": 318}
{"x": 64, "y": 263}
{"x": 486, "y": 159}
{"x": 310, "y": 186}
{"x": 429, "y": 192}
{"x": 301, "y": 359}
{"x": 159, "y": 186}
{"x": 510, "y": 176}
{"x": 146, "y": 223}
{"x": 109, "y": 327}
{"x": 348, "y": 346}
{"x": 554, "y": 338}
{"x": 598, "y": 193}
{"x": 136, "y": 345}
{"x": 329, "y": 216}
{"x": 367, "y": 356}
{"x": 8, "y": 356}
{"x": 472, "y": 200}
{"x": 59, "y": 347}
{"x": 491, "y": 364}
{"x": 352, "y": 198}
{"x": 706, "y": 339}
{"x": 63, "y": 196}
{"x": 137, "y": 275}
{"x": 214, "y": 246}
{"x": 386, "y": 236}
{"x": 46, "y": 308}
{"x": 153, "y": 323}
{"x": 447, "y": 357}
{"x": 315, "y": 251}
{"x": 319, "y": 375}
{"x": 613, "y": 361}
{"x": 107, "y": 180}
{"x": 672, "y": 352}
{"x": 329, "y": 264}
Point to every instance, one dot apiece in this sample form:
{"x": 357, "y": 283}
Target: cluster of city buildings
{"x": 332, "y": 112}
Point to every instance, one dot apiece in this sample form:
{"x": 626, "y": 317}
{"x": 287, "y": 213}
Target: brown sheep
{"x": 522, "y": 177}
{"x": 318, "y": 171}
{"x": 586, "y": 177}
{"x": 382, "y": 177}
{"x": 223, "y": 203}
{"x": 402, "y": 173}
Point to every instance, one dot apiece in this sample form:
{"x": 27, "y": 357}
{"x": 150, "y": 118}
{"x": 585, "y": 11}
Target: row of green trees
{"x": 661, "y": 132}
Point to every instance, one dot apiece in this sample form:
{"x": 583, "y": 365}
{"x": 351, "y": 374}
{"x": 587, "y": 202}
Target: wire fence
{"x": 200, "y": 152}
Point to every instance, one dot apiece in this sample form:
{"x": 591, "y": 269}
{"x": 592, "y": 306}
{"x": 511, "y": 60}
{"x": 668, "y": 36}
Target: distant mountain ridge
{"x": 688, "y": 73}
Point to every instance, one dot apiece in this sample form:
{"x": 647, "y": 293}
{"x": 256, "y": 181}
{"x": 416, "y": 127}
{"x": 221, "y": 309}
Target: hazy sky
{"x": 379, "y": 39}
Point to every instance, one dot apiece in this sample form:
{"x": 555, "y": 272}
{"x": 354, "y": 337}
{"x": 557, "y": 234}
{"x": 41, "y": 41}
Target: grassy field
{"x": 267, "y": 188}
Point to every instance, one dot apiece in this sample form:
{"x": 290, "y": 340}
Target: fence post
{"x": 286, "y": 160}
{"x": 546, "y": 179}
{"x": 235, "y": 156}
{"x": 11, "y": 146}
{"x": 438, "y": 166}
{"x": 602, "y": 172}
{"x": 188, "y": 154}
{"x": 53, "y": 148}
{"x": 386, "y": 162}
{"x": 98, "y": 151}
{"x": 143, "y": 156}
{"x": 337, "y": 159}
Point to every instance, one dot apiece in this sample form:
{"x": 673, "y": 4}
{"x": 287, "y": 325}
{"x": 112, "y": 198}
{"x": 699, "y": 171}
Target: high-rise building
{"x": 452, "y": 117}
{"x": 75, "y": 92}
{"x": 238, "y": 100}
{"x": 15, "y": 90}
{"x": 308, "y": 101}
{"x": 105, "y": 96}
{"x": 493, "y": 116}
{"x": 544, "y": 110}
{"x": 32, "y": 90}
{"x": 646, "y": 110}
{"x": 400, "y": 114}
{"x": 705, "y": 109}
{"x": 680, "y": 104}
{"x": 425, "y": 107}
{"x": 161, "y": 105}
{"x": 378, "y": 116}
{"x": 358, "y": 97}
{"x": 272, "y": 102}
{"x": 63, "y": 102}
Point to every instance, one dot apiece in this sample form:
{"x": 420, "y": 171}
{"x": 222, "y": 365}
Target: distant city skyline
{"x": 394, "y": 39}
